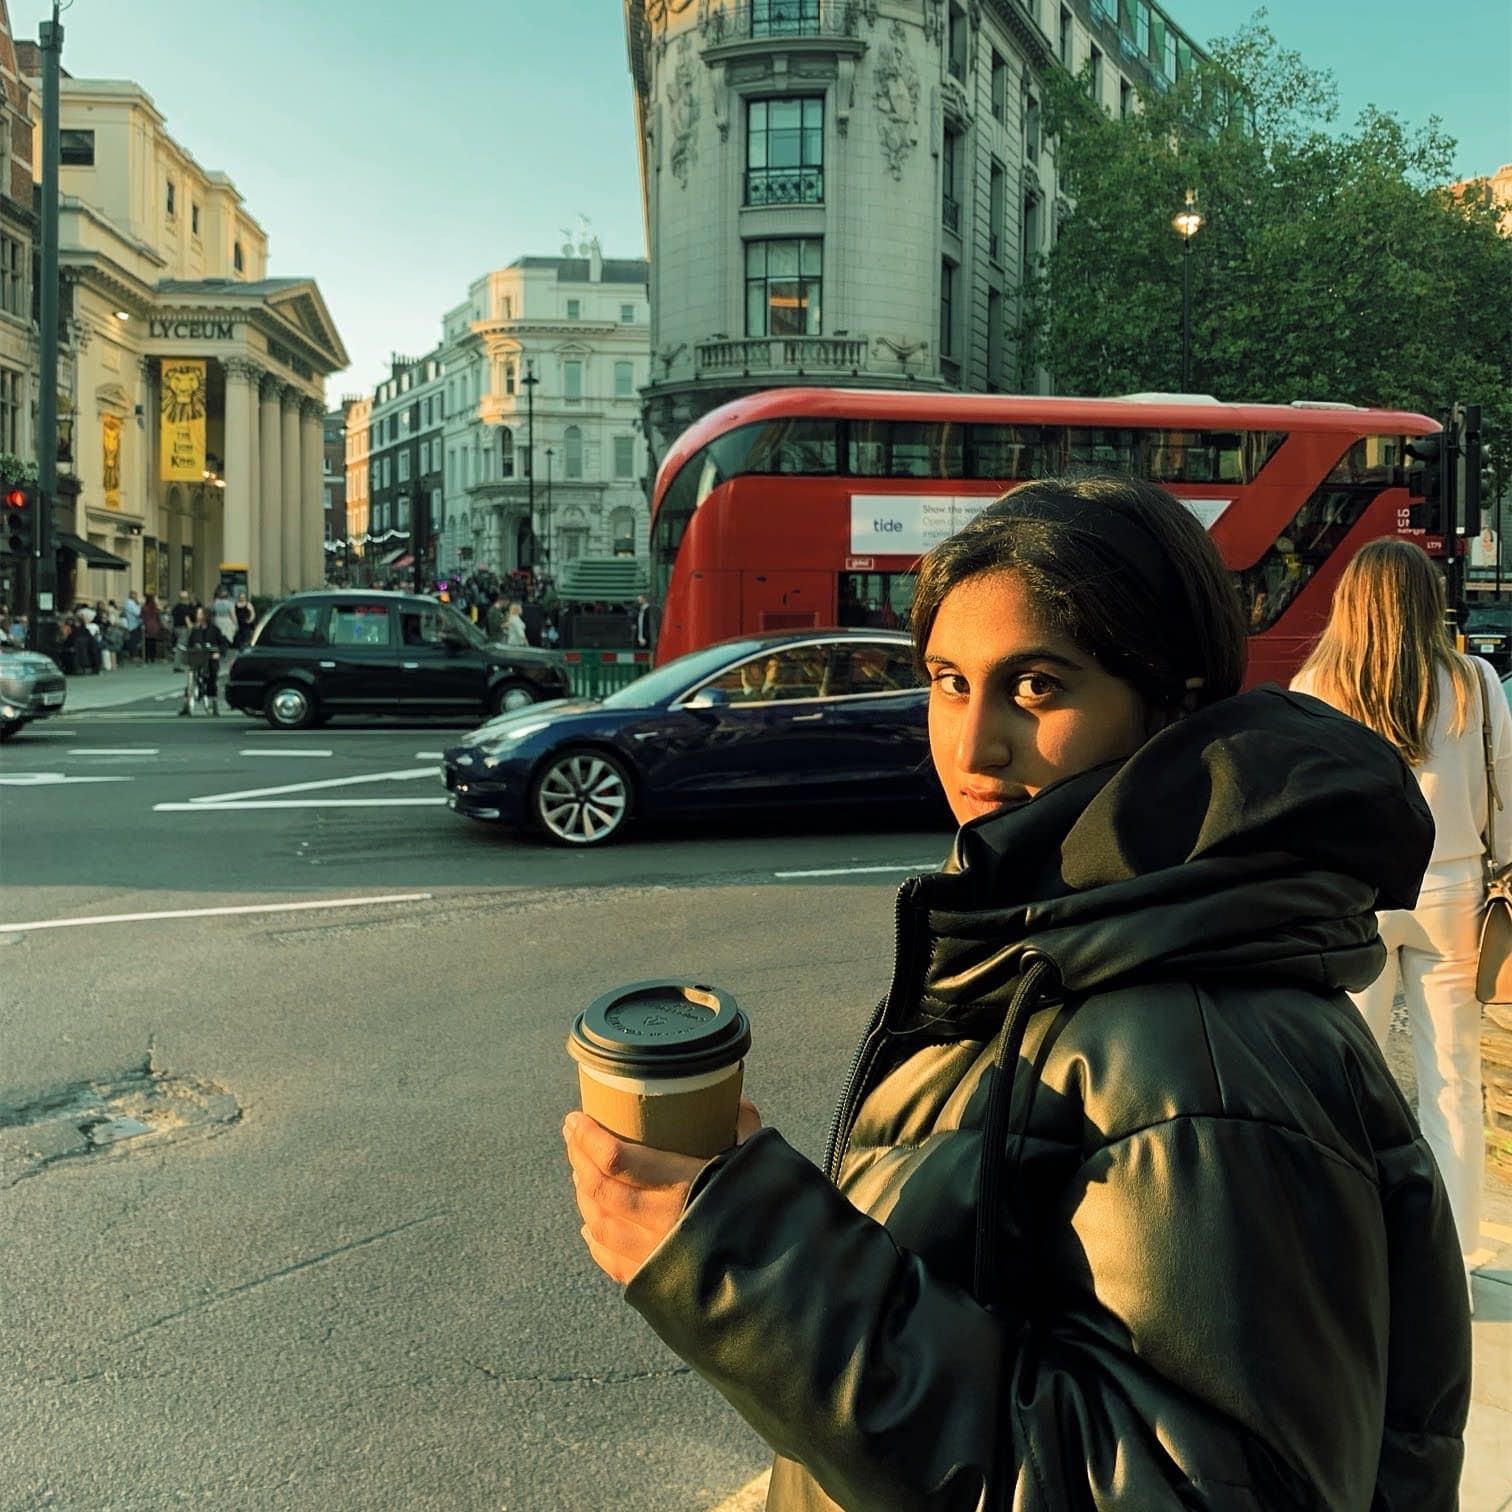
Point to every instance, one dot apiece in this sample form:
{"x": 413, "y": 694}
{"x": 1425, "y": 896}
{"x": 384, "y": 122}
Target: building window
{"x": 574, "y": 447}
{"x": 508, "y": 308}
{"x": 950, "y": 168}
{"x": 572, "y": 382}
{"x": 15, "y": 281}
{"x": 509, "y": 377}
{"x": 506, "y": 453}
{"x": 624, "y": 456}
{"x": 1065, "y": 37}
{"x": 996, "y": 203}
{"x": 957, "y": 43}
{"x": 402, "y": 518}
{"x": 172, "y": 199}
{"x": 236, "y": 257}
{"x": 785, "y": 152}
{"x": 1031, "y": 127}
{"x": 783, "y": 287}
{"x": 995, "y": 341}
{"x": 1095, "y": 83}
{"x": 1030, "y": 232}
{"x": 776, "y": 18}
{"x": 574, "y": 309}
{"x": 76, "y": 148}
{"x": 451, "y": 464}
{"x": 627, "y": 314}
{"x": 999, "y": 86}
{"x": 11, "y": 389}
{"x": 624, "y": 380}
{"x": 194, "y": 217}
{"x": 947, "y": 308}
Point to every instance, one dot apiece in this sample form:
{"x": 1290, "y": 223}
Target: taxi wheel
{"x": 289, "y": 707}
{"x": 508, "y": 697}
{"x": 582, "y": 797}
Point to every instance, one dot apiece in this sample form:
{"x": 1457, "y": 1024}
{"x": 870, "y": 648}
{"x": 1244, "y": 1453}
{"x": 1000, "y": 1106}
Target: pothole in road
{"x": 135, "y": 1111}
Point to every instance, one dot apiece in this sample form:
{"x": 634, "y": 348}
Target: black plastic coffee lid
{"x": 661, "y": 1028}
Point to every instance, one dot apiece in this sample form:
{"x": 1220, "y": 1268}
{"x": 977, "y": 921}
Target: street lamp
{"x": 546, "y": 539}
{"x": 1188, "y": 221}
{"x": 528, "y": 383}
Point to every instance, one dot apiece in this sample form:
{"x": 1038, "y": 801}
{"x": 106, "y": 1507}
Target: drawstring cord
{"x": 995, "y": 1127}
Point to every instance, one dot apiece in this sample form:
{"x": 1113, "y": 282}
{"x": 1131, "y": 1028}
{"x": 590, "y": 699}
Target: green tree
{"x": 1331, "y": 264}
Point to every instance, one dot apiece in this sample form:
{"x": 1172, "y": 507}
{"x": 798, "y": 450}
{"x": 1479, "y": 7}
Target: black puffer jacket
{"x": 1219, "y": 1269}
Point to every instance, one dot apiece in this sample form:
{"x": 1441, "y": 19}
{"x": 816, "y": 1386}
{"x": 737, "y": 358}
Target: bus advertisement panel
{"x": 798, "y": 508}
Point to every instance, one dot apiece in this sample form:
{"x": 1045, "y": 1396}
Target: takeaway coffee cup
{"x": 662, "y": 1063}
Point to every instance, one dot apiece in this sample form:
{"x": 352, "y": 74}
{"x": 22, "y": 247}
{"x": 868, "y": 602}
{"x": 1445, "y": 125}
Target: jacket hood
{"x": 1255, "y": 837}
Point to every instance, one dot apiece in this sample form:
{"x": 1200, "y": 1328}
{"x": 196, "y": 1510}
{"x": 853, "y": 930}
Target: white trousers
{"x": 1432, "y": 954}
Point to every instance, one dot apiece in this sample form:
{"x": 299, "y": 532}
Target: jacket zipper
{"x": 871, "y": 1041}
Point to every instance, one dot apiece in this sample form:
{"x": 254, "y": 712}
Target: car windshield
{"x": 459, "y": 624}
{"x": 667, "y": 682}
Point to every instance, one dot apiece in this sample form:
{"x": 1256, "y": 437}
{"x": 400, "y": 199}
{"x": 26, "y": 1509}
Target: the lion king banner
{"x": 182, "y": 436}
{"x": 110, "y": 427}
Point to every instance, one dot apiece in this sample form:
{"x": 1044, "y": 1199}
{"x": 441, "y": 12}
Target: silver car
{"x": 31, "y": 687}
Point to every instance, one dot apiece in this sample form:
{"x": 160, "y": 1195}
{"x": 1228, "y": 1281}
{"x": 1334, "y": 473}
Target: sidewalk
{"x": 126, "y": 685}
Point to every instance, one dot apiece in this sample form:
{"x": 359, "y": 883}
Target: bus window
{"x": 1003, "y": 453}
{"x": 905, "y": 449}
{"x": 875, "y": 600}
{"x": 1316, "y": 530}
{"x": 1178, "y": 456}
{"x": 792, "y": 446}
{"x": 1103, "y": 449}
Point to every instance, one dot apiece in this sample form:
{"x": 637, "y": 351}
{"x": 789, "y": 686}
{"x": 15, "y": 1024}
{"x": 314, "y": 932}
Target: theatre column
{"x": 312, "y": 504}
{"x": 236, "y": 498}
{"x": 293, "y": 568}
{"x": 270, "y": 476}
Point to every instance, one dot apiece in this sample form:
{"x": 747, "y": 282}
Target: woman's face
{"x": 1013, "y": 705}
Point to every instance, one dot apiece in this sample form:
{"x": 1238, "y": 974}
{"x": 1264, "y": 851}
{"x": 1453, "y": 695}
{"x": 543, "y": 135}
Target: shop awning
{"x": 392, "y": 559}
{"x": 96, "y": 556}
{"x": 405, "y": 561}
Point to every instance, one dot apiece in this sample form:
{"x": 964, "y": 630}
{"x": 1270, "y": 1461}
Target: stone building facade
{"x": 580, "y": 327}
{"x": 404, "y": 462}
{"x": 163, "y": 271}
{"x": 333, "y": 484}
{"x": 849, "y": 192}
{"x": 358, "y": 410}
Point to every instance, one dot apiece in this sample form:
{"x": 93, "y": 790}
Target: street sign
{"x": 860, "y": 564}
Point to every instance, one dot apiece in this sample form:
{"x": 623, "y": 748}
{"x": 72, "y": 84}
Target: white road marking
{"x": 115, "y": 751}
{"x": 290, "y": 751}
{"x": 430, "y": 755}
{"x": 848, "y": 871}
{"x": 197, "y": 807}
{"x": 404, "y": 774}
{"x": 205, "y": 913}
{"x": 53, "y": 779}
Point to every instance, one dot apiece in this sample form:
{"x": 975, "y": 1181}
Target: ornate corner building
{"x": 854, "y": 192}
{"x": 192, "y": 401}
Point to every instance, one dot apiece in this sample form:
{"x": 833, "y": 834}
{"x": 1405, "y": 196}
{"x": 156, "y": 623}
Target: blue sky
{"x": 395, "y": 151}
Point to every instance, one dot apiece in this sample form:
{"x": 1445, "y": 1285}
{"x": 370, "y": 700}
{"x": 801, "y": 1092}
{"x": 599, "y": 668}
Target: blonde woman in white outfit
{"x": 1386, "y": 659}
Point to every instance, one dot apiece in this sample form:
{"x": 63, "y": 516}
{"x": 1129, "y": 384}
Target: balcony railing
{"x": 784, "y": 186}
{"x": 787, "y": 354}
{"x": 736, "y": 20}
{"x": 951, "y": 213}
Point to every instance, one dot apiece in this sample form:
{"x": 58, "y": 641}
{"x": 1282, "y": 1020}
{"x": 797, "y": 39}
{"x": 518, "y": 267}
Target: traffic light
{"x": 20, "y": 521}
{"x": 1427, "y": 481}
{"x": 1472, "y": 466}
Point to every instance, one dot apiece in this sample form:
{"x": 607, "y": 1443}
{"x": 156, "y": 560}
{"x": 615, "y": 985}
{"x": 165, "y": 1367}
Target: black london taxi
{"x": 354, "y": 651}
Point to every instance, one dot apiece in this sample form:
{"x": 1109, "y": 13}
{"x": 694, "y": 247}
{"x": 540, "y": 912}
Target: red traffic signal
{"x": 16, "y": 498}
{"x": 20, "y": 523}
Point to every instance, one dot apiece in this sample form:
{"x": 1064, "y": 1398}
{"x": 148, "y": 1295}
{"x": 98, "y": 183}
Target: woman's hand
{"x": 630, "y": 1195}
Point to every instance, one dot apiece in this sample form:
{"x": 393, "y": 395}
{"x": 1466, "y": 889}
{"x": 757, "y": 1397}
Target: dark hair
{"x": 1119, "y": 567}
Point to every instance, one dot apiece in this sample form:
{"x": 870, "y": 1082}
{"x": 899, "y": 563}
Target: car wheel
{"x": 289, "y": 707}
{"x": 582, "y": 797}
{"x": 508, "y": 697}
{"x": 8, "y": 730}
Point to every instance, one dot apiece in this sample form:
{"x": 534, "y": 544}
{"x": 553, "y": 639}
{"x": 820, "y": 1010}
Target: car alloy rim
{"x": 515, "y": 698}
{"x": 582, "y": 799}
{"x": 288, "y": 705}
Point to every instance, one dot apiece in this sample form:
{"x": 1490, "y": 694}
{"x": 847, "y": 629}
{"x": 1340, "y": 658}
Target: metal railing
{"x": 811, "y": 354}
{"x": 594, "y": 674}
{"x": 784, "y": 186}
{"x": 951, "y": 213}
{"x": 738, "y": 20}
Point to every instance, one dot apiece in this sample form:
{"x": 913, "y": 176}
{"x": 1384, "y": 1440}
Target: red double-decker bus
{"x": 811, "y": 507}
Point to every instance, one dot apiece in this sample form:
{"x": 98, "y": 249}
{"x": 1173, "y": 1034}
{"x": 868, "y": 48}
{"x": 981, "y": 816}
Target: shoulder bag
{"x": 1493, "y": 974}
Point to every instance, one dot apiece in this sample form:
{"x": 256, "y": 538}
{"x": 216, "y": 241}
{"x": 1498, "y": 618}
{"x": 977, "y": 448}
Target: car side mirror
{"x": 708, "y": 698}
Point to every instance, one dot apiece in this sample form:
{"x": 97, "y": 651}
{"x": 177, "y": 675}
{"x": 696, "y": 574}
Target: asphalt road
{"x": 315, "y": 1246}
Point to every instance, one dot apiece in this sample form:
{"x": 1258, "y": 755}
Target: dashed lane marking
{"x": 287, "y": 751}
{"x": 206, "y": 913}
{"x": 850, "y": 871}
{"x": 54, "y": 779}
{"x": 430, "y": 755}
{"x": 292, "y": 803}
{"x": 114, "y": 751}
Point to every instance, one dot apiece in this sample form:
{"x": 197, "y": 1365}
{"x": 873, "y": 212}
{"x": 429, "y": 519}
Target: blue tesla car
{"x": 761, "y": 723}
